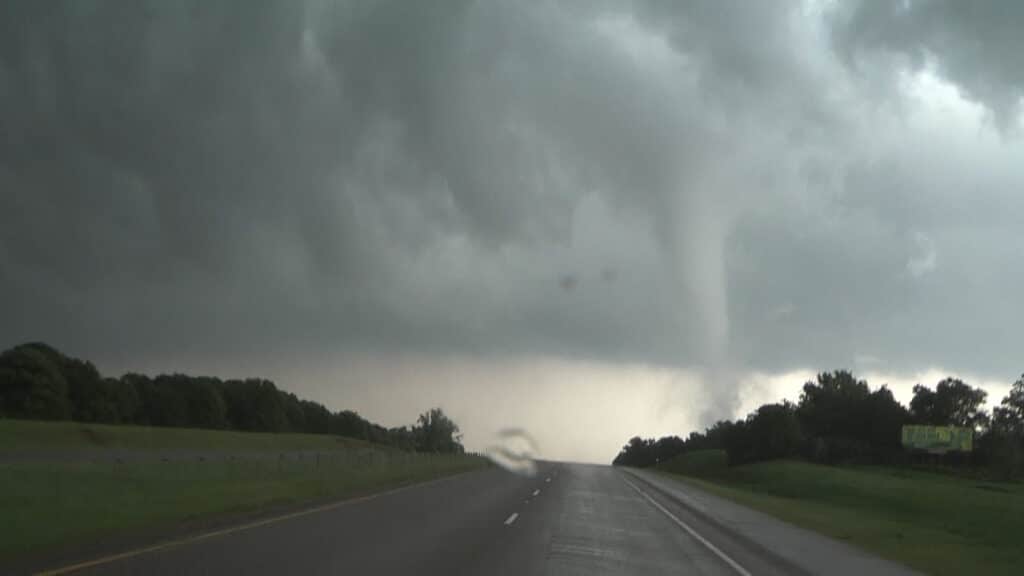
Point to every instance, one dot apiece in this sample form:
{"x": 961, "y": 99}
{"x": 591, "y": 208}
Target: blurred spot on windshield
{"x": 514, "y": 451}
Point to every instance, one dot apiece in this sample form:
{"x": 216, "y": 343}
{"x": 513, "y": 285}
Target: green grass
{"x": 703, "y": 463}
{"x": 29, "y": 435}
{"x": 936, "y": 523}
{"x": 45, "y": 505}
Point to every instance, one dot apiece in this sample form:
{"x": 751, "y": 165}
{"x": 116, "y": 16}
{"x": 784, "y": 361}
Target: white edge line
{"x": 511, "y": 519}
{"x": 735, "y": 565}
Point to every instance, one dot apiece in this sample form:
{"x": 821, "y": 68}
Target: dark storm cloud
{"x": 228, "y": 175}
{"x": 692, "y": 184}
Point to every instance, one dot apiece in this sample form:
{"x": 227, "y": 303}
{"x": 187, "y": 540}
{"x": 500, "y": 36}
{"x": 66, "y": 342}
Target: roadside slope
{"x": 66, "y": 484}
{"x": 39, "y": 437}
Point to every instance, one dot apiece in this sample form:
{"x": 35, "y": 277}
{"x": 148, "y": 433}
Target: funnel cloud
{"x": 724, "y": 189}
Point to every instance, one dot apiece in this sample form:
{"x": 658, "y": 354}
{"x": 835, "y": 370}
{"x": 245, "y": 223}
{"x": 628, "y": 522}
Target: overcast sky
{"x": 589, "y": 219}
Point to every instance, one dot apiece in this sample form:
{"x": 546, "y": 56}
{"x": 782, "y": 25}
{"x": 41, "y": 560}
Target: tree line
{"x": 839, "y": 419}
{"x": 39, "y": 382}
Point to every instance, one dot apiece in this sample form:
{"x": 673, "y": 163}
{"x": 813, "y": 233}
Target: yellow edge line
{"x": 233, "y": 529}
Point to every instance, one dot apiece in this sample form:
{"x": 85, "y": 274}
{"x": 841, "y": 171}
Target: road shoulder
{"x": 759, "y": 537}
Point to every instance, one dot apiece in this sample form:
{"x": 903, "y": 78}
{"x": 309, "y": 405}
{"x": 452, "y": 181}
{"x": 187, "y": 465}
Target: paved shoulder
{"x": 804, "y": 550}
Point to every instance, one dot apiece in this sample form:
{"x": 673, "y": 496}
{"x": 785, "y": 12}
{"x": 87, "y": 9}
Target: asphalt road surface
{"x": 568, "y": 519}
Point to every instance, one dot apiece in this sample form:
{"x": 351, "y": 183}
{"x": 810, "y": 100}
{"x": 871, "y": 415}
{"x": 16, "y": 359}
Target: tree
{"x": 204, "y": 401}
{"x": 436, "y": 432}
{"x": 1005, "y": 440}
{"x": 714, "y": 438}
{"x": 37, "y": 381}
{"x": 637, "y": 452}
{"x": 31, "y": 385}
{"x": 126, "y": 398}
{"x": 827, "y": 408}
{"x": 95, "y": 401}
{"x": 255, "y": 405}
{"x": 844, "y": 420}
{"x": 165, "y": 403}
{"x": 883, "y": 420}
{"x": 830, "y": 413}
{"x": 402, "y": 437}
{"x": 293, "y": 412}
{"x": 350, "y": 424}
{"x": 140, "y": 387}
{"x": 838, "y": 419}
{"x": 667, "y": 447}
{"x": 91, "y": 400}
{"x": 1008, "y": 417}
{"x": 952, "y": 403}
{"x": 772, "y": 431}
{"x": 316, "y": 416}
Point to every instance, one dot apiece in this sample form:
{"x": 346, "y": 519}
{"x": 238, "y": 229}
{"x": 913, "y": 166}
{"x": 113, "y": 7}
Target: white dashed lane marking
{"x": 511, "y": 519}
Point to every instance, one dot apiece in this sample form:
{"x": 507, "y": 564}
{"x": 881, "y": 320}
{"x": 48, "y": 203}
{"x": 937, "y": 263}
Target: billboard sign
{"x": 938, "y": 439}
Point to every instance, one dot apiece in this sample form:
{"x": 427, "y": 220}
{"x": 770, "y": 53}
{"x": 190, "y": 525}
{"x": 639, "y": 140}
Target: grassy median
{"x": 46, "y": 504}
{"x": 937, "y": 523}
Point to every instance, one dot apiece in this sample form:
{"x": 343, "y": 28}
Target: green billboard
{"x": 938, "y": 439}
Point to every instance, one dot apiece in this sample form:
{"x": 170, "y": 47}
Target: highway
{"x": 567, "y": 519}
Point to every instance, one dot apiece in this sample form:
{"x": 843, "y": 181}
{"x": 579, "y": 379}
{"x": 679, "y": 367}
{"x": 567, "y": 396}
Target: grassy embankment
{"x": 52, "y": 503}
{"x": 940, "y": 524}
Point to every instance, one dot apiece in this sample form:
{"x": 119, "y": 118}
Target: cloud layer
{"x": 690, "y": 185}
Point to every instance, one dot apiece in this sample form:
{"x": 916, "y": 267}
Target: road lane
{"x": 588, "y": 521}
{"x": 437, "y": 525}
{"x": 569, "y": 519}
